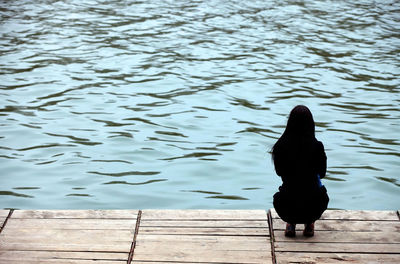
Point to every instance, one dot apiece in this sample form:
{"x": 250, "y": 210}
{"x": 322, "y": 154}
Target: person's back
{"x": 301, "y": 167}
{"x": 300, "y": 161}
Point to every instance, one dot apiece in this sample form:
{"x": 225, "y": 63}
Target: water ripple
{"x": 135, "y": 183}
{"x": 127, "y": 173}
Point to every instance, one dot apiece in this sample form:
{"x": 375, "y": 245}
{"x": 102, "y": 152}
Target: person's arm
{"x": 279, "y": 167}
{"x": 322, "y": 160}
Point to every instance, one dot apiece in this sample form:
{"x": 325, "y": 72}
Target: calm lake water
{"x": 176, "y": 104}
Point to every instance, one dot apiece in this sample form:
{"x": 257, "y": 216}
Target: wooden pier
{"x": 194, "y": 236}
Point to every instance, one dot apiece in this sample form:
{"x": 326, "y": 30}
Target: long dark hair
{"x": 299, "y": 133}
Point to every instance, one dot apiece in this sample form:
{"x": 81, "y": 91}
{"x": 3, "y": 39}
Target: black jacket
{"x": 299, "y": 169}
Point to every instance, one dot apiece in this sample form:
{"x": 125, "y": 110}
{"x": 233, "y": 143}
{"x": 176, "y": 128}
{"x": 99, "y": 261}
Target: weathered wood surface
{"x": 194, "y": 236}
{"x": 75, "y": 214}
{"x": 79, "y": 224}
{"x": 342, "y": 236}
{"x": 333, "y": 258}
{"x": 204, "y": 223}
{"x": 92, "y": 236}
{"x": 206, "y": 236}
{"x": 218, "y": 215}
{"x": 19, "y": 256}
{"x": 354, "y": 215}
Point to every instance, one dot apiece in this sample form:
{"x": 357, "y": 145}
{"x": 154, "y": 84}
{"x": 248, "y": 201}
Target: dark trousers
{"x": 301, "y": 207}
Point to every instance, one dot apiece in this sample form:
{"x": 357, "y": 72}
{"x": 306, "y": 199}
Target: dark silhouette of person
{"x": 300, "y": 161}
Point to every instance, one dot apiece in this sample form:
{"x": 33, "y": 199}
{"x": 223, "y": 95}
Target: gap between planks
{"x": 6, "y": 220}
{"x": 132, "y": 251}
{"x": 271, "y": 236}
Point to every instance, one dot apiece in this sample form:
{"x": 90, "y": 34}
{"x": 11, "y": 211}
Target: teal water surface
{"x": 176, "y": 104}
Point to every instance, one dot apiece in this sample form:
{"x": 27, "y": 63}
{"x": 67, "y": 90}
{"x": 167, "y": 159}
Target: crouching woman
{"x": 300, "y": 161}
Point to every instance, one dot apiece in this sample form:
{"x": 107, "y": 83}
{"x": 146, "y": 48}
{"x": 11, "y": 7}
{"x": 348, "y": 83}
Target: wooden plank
{"x": 342, "y": 237}
{"x": 60, "y": 255}
{"x": 228, "y": 236}
{"x": 71, "y": 234}
{"x": 75, "y": 214}
{"x": 204, "y": 223}
{"x": 4, "y": 213}
{"x": 339, "y": 225}
{"x": 190, "y": 236}
{"x": 71, "y": 223}
{"x": 205, "y": 231}
{"x": 360, "y": 215}
{"x": 301, "y": 257}
{"x": 209, "y": 245}
{"x": 204, "y": 215}
{"x": 68, "y": 240}
{"x": 199, "y": 255}
{"x": 49, "y": 246}
{"x": 158, "y": 262}
{"x": 337, "y": 247}
{"x": 58, "y": 236}
{"x": 164, "y": 262}
{"x": 68, "y": 261}
{"x": 150, "y": 238}
{"x": 267, "y": 261}
{"x": 66, "y": 237}
{"x": 353, "y": 215}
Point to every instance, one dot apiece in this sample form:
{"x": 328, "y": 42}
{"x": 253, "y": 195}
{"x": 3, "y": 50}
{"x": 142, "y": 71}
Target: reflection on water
{"x": 182, "y": 100}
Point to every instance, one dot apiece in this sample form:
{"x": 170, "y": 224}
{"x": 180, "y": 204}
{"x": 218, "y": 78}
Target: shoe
{"x": 308, "y": 230}
{"x": 290, "y": 230}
